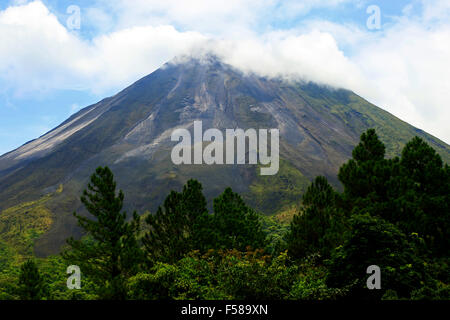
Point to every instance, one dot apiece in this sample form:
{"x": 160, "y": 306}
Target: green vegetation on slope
{"x": 278, "y": 192}
{"x": 392, "y": 213}
{"x": 358, "y": 115}
{"x": 20, "y": 226}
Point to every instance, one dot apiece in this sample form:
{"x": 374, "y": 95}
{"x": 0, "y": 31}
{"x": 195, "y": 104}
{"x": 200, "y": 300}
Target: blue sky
{"x": 49, "y": 70}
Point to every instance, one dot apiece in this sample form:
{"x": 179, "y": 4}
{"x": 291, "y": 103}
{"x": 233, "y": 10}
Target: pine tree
{"x": 423, "y": 195}
{"x": 424, "y": 166}
{"x": 198, "y": 218}
{"x": 111, "y": 253}
{"x": 318, "y": 227}
{"x": 236, "y": 226}
{"x": 370, "y": 148}
{"x": 412, "y": 191}
{"x": 365, "y": 177}
{"x": 31, "y": 284}
{"x": 177, "y": 227}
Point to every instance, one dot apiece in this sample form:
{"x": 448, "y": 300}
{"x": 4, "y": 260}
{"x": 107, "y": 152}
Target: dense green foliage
{"x": 392, "y": 213}
{"x": 318, "y": 228}
{"x": 373, "y": 241}
{"x": 31, "y": 285}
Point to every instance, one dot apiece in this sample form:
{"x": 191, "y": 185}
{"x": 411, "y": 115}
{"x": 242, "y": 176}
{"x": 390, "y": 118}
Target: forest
{"x": 390, "y": 212}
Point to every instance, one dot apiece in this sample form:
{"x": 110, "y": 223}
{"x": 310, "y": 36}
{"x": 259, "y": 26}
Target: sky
{"x": 58, "y": 56}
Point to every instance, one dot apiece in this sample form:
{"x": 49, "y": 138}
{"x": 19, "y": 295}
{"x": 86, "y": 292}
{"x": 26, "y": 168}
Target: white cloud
{"x": 38, "y": 53}
{"x": 41, "y": 54}
{"x": 119, "y": 58}
{"x": 33, "y": 47}
{"x": 313, "y": 56}
{"x": 407, "y": 72}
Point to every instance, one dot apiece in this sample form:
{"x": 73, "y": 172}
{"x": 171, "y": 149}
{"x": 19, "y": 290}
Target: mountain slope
{"x": 130, "y": 132}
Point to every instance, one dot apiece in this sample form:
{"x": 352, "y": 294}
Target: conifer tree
{"x": 236, "y": 225}
{"x": 31, "y": 284}
{"x": 318, "y": 227}
{"x": 365, "y": 177}
{"x": 111, "y": 253}
{"x": 423, "y": 195}
{"x": 176, "y": 227}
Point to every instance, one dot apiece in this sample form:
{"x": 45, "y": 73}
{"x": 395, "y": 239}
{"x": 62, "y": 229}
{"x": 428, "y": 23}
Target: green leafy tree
{"x": 31, "y": 285}
{"x": 179, "y": 226}
{"x": 254, "y": 275}
{"x": 236, "y": 225}
{"x": 218, "y": 275}
{"x": 319, "y": 225}
{"x": 374, "y": 241}
{"x": 111, "y": 252}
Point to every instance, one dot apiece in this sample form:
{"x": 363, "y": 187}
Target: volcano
{"x": 131, "y": 133}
